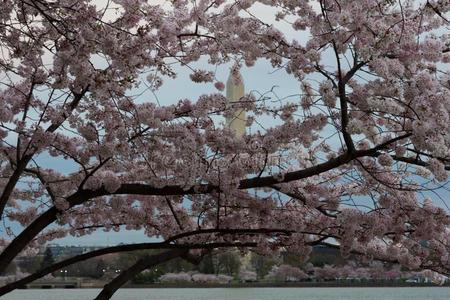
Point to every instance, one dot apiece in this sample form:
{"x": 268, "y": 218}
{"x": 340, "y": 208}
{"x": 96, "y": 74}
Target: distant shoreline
{"x": 237, "y": 286}
{"x": 286, "y": 285}
{"x": 324, "y": 284}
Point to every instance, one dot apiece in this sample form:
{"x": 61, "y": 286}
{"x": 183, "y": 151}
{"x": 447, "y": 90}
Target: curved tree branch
{"x": 142, "y": 264}
{"x": 26, "y": 158}
{"x": 116, "y": 249}
{"x": 81, "y": 196}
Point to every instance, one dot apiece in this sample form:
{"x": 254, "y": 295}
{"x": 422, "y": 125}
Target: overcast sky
{"x": 260, "y": 78}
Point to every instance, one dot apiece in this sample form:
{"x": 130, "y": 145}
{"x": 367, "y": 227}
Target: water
{"x": 422, "y": 293}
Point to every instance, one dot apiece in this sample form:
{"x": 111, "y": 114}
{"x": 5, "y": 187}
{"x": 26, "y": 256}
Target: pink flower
{"x": 219, "y": 85}
{"x": 110, "y": 181}
{"x": 385, "y": 159}
{"x": 202, "y": 76}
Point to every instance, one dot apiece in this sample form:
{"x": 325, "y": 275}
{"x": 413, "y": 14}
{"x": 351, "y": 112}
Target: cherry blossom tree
{"x": 176, "y": 277}
{"x": 184, "y": 277}
{"x": 247, "y": 275}
{"x": 326, "y": 272}
{"x": 393, "y": 274}
{"x": 286, "y": 273}
{"x": 355, "y": 161}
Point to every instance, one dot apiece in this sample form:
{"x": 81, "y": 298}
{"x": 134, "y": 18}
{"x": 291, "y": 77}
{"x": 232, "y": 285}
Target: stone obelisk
{"x": 235, "y": 93}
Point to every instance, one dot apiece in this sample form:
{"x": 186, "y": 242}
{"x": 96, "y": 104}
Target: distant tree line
{"x": 229, "y": 262}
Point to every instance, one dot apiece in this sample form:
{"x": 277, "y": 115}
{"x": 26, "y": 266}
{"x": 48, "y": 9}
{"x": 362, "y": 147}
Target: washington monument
{"x": 235, "y": 92}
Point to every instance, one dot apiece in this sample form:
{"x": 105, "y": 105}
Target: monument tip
{"x": 235, "y": 77}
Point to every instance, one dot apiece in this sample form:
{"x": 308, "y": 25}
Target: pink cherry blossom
{"x": 342, "y": 161}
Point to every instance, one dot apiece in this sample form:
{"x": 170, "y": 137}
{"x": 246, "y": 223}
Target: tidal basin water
{"x": 413, "y": 293}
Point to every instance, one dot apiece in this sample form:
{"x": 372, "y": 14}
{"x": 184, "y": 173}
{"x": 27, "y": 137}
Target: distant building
{"x": 235, "y": 93}
{"x": 59, "y": 251}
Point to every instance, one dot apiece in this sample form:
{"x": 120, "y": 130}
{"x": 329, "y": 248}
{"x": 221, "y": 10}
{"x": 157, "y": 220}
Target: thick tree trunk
{"x": 25, "y": 237}
{"x": 38, "y": 225}
{"x": 13, "y": 179}
{"x": 141, "y": 265}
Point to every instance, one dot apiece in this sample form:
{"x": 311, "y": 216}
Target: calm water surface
{"x": 423, "y": 293}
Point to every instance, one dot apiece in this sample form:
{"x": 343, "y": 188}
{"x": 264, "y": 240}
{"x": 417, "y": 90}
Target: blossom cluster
{"x": 367, "y": 134}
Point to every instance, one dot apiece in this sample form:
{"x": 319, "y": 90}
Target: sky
{"x": 258, "y": 79}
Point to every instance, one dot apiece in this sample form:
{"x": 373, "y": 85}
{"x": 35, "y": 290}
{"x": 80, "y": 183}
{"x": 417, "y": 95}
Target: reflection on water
{"x": 422, "y": 293}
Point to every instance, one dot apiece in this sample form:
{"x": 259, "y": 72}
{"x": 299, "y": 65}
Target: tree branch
{"x": 142, "y": 264}
{"x": 23, "y": 162}
{"x": 32, "y": 230}
{"x": 116, "y": 249}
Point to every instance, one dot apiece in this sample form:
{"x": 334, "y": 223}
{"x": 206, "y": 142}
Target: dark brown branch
{"x": 230, "y": 231}
{"x": 32, "y": 230}
{"x": 116, "y": 249}
{"x": 302, "y": 198}
{"x": 26, "y": 236}
{"x": 142, "y": 264}
{"x": 415, "y": 161}
{"x": 23, "y": 162}
{"x": 41, "y": 178}
{"x": 437, "y": 11}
